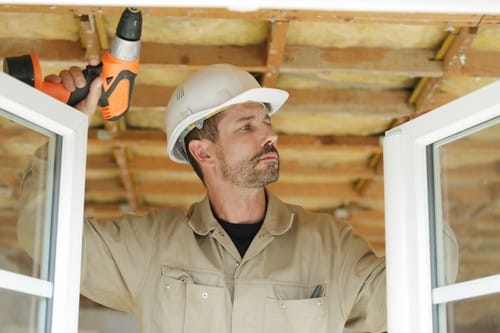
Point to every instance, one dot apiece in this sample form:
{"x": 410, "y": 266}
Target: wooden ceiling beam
{"x": 63, "y": 51}
{"x": 140, "y": 163}
{"x": 89, "y": 37}
{"x": 280, "y": 58}
{"x": 157, "y": 138}
{"x": 386, "y": 98}
{"x": 151, "y": 96}
{"x": 342, "y": 191}
{"x": 275, "y": 51}
{"x": 250, "y": 57}
{"x": 466, "y": 20}
{"x": 120, "y": 155}
{"x": 362, "y": 184}
{"x": 369, "y": 144}
{"x": 479, "y": 64}
{"x": 453, "y": 61}
{"x": 372, "y": 61}
{"x": 298, "y": 60}
{"x": 454, "y": 58}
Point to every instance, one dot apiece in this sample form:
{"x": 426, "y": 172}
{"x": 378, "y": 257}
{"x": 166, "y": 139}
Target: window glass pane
{"x": 474, "y": 315}
{"x": 21, "y": 313}
{"x": 19, "y": 142}
{"x": 468, "y": 198}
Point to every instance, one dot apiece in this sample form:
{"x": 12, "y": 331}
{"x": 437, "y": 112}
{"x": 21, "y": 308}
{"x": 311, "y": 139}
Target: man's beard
{"x": 248, "y": 174}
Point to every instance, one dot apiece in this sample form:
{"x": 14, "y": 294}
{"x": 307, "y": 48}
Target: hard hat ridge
{"x": 207, "y": 92}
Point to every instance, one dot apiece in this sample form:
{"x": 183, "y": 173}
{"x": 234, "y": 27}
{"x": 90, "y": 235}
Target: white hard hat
{"x": 208, "y": 91}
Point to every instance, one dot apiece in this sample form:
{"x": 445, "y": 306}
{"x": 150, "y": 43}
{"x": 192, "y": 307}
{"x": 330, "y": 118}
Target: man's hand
{"x": 73, "y": 78}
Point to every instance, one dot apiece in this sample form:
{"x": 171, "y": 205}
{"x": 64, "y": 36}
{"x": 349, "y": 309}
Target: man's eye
{"x": 246, "y": 127}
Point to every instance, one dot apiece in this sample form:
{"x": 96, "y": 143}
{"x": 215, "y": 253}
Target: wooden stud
{"x": 101, "y": 31}
{"x": 89, "y": 37}
{"x": 275, "y": 51}
{"x": 453, "y": 60}
{"x": 121, "y": 159}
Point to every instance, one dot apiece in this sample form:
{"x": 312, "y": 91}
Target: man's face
{"x": 245, "y": 148}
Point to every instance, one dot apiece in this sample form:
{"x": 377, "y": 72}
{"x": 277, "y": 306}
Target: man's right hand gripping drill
{"x": 73, "y": 78}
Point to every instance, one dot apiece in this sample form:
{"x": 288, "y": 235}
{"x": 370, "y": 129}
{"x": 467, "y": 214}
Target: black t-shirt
{"x": 241, "y": 234}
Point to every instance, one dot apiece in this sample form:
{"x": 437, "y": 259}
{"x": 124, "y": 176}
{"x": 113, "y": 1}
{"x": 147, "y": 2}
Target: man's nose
{"x": 270, "y": 136}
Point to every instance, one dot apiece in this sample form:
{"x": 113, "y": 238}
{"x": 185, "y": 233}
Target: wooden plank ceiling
{"x": 351, "y": 76}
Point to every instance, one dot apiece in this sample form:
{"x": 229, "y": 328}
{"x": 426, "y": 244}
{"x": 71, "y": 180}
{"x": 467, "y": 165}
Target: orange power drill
{"x": 118, "y": 69}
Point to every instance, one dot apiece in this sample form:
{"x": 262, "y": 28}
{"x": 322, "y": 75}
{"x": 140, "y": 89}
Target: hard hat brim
{"x": 274, "y": 98}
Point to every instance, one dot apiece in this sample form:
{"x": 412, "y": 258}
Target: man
{"x": 241, "y": 260}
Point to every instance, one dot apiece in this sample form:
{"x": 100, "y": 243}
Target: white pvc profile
{"x": 25, "y": 284}
{"x": 71, "y": 125}
{"x": 400, "y": 6}
{"x": 410, "y": 296}
{"x": 407, "y": 241}
{"x": 468, "y": 289}
{"x": 400, "y": 271}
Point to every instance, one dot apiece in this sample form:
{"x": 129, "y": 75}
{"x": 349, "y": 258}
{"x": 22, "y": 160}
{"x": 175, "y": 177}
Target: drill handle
{"x": 90, "y": 73}
{"x": 116, "y": 95}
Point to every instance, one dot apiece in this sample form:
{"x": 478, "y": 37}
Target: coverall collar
{"x": 277, "y": 221}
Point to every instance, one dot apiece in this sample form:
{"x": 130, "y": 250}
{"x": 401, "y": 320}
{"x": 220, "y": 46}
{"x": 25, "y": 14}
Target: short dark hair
{"x": 209, "y": 131}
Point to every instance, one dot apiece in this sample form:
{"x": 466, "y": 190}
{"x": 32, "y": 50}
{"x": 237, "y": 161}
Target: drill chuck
{"x": 130, "y": 26}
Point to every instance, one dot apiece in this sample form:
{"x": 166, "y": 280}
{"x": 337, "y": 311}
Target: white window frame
{"x": 410, "y": 293}
{"x": 27, "y": 103}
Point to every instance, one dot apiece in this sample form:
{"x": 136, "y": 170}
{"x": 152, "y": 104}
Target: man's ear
{"x": 200, "y": 150}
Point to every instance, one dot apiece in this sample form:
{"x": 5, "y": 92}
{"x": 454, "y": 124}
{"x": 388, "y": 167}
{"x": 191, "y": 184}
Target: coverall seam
{"x": 341, "y": 302}
{"x": 147, "y": 267}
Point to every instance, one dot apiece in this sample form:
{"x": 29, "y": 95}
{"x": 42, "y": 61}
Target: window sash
{"x": 406, "y": 187}
{"x": 71, "y": 126}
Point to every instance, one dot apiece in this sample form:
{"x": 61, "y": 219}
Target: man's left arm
{"x": 363, "y": 280}
{"x": 361, "y": 284}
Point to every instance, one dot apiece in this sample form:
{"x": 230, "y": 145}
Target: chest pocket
{"x": 296, "y": 315}
{"x": 187, "y": 302}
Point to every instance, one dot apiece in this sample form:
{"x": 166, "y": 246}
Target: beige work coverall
{"x": 184, "y": 274}
{"x": 179, "y": 273}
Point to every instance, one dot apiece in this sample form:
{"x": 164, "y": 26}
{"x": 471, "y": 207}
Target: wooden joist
{"x": 158, "y": 139}
{"x": 275, "y": 50}
{"x": 468, "y": 20}
{"x": 296, "y": 59}
{"x": 126, "y": 178}
{"x": 380, "y": 61}
{"x": 453, "y": 60}
{"x": 289, "y": 168}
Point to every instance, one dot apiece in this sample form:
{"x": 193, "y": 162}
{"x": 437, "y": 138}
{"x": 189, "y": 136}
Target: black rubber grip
{"x": 90, "y": 73}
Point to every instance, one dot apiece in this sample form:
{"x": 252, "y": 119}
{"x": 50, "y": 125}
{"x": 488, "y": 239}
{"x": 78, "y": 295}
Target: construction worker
{"x": 241, "y": 260}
